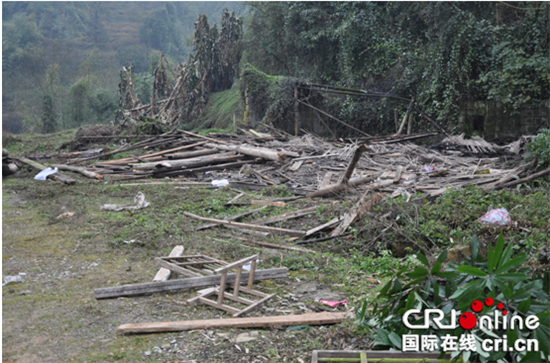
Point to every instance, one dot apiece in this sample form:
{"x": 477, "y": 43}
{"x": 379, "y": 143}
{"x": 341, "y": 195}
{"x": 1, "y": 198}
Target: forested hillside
{"x": 61, "y": 60}
{"x": 442, "y": 53}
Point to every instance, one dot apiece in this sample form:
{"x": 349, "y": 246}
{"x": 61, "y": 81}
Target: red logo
{"x": 468, "y": 320}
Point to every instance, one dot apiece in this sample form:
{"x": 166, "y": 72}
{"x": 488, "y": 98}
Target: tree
{"x": 48, "y": 115}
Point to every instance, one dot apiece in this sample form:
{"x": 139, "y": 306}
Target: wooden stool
{"x": 237, "y": 288}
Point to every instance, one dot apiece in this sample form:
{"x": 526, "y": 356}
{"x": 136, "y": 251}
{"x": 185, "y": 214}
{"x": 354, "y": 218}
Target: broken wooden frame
{"x": 222, "y": 294}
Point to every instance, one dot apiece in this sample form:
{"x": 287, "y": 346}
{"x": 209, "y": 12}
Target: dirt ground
{"x": 52, "y": 315}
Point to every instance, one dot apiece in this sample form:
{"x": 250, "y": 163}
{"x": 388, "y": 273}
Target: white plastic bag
{"x": 220, "y": 183}
{"x": 12, "y": 279}
{"x": 44, "y": 173}
{"x": 496, "y": 217}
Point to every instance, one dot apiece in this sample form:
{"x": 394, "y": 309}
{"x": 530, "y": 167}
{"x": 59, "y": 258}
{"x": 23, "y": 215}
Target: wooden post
{"x": 296, "y": 114}
{"x": 411, "y": 105}
{"x": 409, "y": 126}
{"x": 396, "y": 121}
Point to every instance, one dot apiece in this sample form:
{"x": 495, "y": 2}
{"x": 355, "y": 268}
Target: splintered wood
{"x": 310, "y": 166}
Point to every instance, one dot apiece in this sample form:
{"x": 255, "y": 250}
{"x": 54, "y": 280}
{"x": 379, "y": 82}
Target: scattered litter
{"x": 66, "y": 214}
{"x": 130, "y": 241}
{"x": 220, "y": 183}
{"x": 44, "y": 173}
{"x": 332, "y": 304}
{"x": 12, "y": 279}
{"x": 139, "y": 199}
{"x": 426, "y": 169}
{"x": 497, "y": 217}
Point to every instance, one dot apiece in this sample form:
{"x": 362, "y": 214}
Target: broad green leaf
{"x": 491, "y": 263}
{"x": 470, "y": 270}
{"x": 504, "y": 288}
{"x": 423, "y": 259}
{"x": 466, "y": 356}
{"x": 446, "y": 274}
{"x": 417, "y": 272}
{"x": 383, "y": 336}
{"x": 506, "y": 255}
{"x": 436, "y": 267}
{"x": 513, "y": 277}
{"x": 395, "y": 339}
{"x": 442, "y": 256}
{"x": 386, "y": 288}
{"x": 512, "y": 264}
{"x": 524, "y": 306}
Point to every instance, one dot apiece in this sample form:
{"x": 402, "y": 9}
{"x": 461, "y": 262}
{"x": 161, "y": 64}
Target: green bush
{"x": 499, "y": 276}
{"x": 539, "y": 149}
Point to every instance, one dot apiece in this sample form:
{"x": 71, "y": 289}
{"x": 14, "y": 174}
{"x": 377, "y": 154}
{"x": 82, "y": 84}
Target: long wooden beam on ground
{"x": 291, "y": 232}
{"x": 324, "y": 318}
{"x": 180, "y": 284}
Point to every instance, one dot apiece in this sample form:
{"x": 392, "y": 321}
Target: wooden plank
{"x": 232, "y": 218}
{"x": 57, "y": 176}
{"x": 357, "y": 212}
{"x": 271, "y": 245}
{"x": 259, "y": 152}
{"x": 376, "y": 356}
{"x": 323, "y": 226}
{"x": 180, "y": 284}
{"x": 237, "y": 263}
{"x": 254, "y": 306}
{"x": 253, "y": 322}
{"x": 290, "y": 232}
{"x": 326, "y": 180}
{"x": 175, "y": 268}
{"x": 284, "y": 217}
{"x": 164, "y": 274}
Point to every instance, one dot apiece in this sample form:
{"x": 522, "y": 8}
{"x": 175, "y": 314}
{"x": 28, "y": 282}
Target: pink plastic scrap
{"x": 497, "y": 217}
{"x": 332, "y": 304}
{"x": 426, "y": 169}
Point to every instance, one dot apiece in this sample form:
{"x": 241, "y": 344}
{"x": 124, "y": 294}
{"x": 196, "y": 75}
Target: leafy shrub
{"x": 499, "y": 276}
{"x": 539, "y": 148}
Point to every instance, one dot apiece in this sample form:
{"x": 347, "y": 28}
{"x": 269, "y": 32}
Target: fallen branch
{"x": 523, "y": 180}
{"x": 270, "y": 245}
{"x": 290, "y": 232}
{"x": 57, "y": 176}
{"x": 79, "y": 169}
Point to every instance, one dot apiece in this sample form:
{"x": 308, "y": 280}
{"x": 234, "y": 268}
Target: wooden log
{"x": 353, "y": 164}
{"x": 191, "y": 154}
{"x": 180, "y": 284}
{"x": 323, "y": 226}
{"x": 259, "y": 152}
{"x": 357, "y": 212}
{"x": 164, "y": 274}
{"x": 191, "y": 162}
{"x": 79, "y": 169}
{"x": 57, "y": 176}
{"x": 231, "y": 218}
{"x": 270, "y": 245}
{"x": 406, "y": 117}
{"x": 208, "y": 168}
{"x": 284, "y": 217}
{"x": 252, "y": 322}
{"x": 523, "y": 180}
{"x": 152, "y": 157}
{"x": 290, "y": 232}
{"x": 340, "y": 187}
